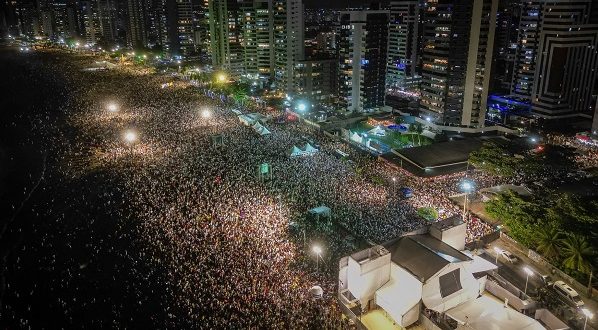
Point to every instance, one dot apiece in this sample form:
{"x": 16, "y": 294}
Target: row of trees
{"x": 497, "y": 160}
{"x": 415, "y": 129}
{"x": 559, "y": 226}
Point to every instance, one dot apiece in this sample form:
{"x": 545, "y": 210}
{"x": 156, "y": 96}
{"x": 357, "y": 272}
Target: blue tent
{"x": 407, "y": 192}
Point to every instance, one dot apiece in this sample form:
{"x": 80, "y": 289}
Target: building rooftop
{"x": 441, "y": 154}
{"x": 423, "y": 255}
{"x": 448, "y": 223}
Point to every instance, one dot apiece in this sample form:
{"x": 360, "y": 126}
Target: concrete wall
{"x": 368, "y": 276}
{"x": 549, "y": 320}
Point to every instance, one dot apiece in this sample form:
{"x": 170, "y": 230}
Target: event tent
{"x": 260, "y": 129}
{"x": 485, "y": 313}
{"x": 309, "y": 149}
{"x": 321, "y": 211}
{"x": 356, "y": 137}
{"x": 378, "y": 131}
{"x": 246, "y": 120}
{"x": 295, "y": 151}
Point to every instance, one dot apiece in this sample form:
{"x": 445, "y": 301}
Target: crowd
{"x": 586, "y": 154}
{"x": 200, "y": 213}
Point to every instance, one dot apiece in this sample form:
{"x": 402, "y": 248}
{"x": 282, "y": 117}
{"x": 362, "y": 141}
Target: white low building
{"x": 414, "y": 272}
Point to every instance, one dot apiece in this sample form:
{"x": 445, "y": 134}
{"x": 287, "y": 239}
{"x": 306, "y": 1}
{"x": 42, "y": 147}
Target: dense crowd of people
{"x": 221, "y": 230}
{"x": 586, "y": 152}
{"x": 201, "y": 212}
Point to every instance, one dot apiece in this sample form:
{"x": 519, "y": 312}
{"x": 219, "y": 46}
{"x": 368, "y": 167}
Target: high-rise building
{"x": 138, "y": 22}
{"x": 89, "y": 12}
{"x": 201, "y": 29}
{"x": 27, "y": 17}
{"x": 505, "y": 46}
{"x": 404, "y": 34}
{"x": 226, "y": 35}
{"x": 362, "y": 49}
{"x": 457, "y": 56}
{"x": 179, "y": 22}
{"x": 315, "y": 79}
{"x": 557, "y": 57}
{"x": 272, "y": 32}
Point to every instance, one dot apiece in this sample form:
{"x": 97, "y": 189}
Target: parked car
{"x": 546, "y": 279}
{"x": 568, "y": 294}
{"x": 509, "y": 256}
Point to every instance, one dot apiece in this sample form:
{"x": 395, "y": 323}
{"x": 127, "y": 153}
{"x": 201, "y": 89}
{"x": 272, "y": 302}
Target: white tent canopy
{"x": 377, "y": 131}
{"x": 356, "y": 137}
{"x": 485, "y": 313}
{"x": 295, "y": 151}
{"x": 309, "y": 149}
{"x": 316, "y": 291}
{"x": 260, "y": 129}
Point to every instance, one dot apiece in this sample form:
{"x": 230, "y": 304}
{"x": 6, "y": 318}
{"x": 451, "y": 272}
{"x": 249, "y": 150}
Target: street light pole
{"x": 318, "y": 251}
{"x": 528, "y": 272}
{"x": 589, "y": 315}
{"x": 497, "y": 250}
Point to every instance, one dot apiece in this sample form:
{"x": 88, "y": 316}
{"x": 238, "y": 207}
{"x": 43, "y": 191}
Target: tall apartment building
{"x": 201, "y": 22}
{"x": 315, "y": 79}
{"x": 180, "y": 27}
{"x": 138, "y": 14}
{"x": 505, "y": 45}
{"x": 404, "y": 34}
{"x": 90, "y": 18}
{"x": 557, "y": 57}
{"x": 226, "y": 35}
{"x": 457, "y": 56}
{"x": 272, "y": 32}
{"x": 362, "y": 48}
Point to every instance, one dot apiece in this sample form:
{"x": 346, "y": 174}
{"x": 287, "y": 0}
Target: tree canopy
{"x": 559, "y": 226}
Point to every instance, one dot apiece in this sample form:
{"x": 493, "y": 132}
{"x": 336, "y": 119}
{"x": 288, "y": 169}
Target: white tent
{"x": 246, "y": 120}
{"x": 309, "y": 149}
{"x": 296, "y": 152}
{"x": 485, "y": 313}
{"x": 260, "y": 129}
{"x": 356, "y": 137}
{"x": 316, "y": 291}
{"x": 377, "y": 131}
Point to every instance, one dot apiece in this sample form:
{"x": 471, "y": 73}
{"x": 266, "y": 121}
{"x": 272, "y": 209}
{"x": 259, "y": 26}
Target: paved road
{"x": 515, "y": 274}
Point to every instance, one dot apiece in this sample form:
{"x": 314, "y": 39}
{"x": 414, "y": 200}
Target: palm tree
{"x": 412, "y": 130}
{"x": 419, "y": 129}
{"x": 548, "y": 240}
{"x": 577, "y": 252}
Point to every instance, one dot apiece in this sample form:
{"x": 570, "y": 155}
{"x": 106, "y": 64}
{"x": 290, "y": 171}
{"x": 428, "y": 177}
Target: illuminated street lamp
{"x": 206, "y": 113}
{"x": 528, "y": 272}
{"x": 221, "y": 78}
{"x": 130, "y": 137}
{"x": 589, "y": 315}
{"x": 497, "y": 250}
{"x": 467, "y": 187}
{"x": 318, "y": 251}
{"x": 112, "y": 107}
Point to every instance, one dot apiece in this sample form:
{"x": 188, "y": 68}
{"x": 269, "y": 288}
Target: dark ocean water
{"x": 68, "y": 258}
